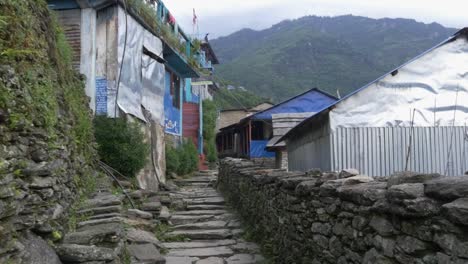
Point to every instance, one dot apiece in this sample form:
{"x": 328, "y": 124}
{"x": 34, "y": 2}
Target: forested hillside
{"x": 331, "y": 53}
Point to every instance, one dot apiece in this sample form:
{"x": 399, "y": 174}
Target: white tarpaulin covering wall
{"x": 435, "y": 85}
{"x": 414, "y": 118}
{"x": 142, "y": 80}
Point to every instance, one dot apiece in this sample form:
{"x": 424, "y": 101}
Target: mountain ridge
{"x": 331, "y": 53}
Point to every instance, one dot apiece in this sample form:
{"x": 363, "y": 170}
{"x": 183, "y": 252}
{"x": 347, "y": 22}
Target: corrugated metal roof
{"x": 312, "y": 100}
{"x": 319, "y": 114}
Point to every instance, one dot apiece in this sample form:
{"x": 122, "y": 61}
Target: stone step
{"x": 211, "y": 260}
{"x": 103, "y": 216}
{"x": 202, "y": 196}
{"x": 199, "y": 244}
{"x": 207, "y": 171}
{"x": 244, "y": 259}
{"x": 101, "y": 210}
{"x": 202, "y": 234}
{"x": 186, "y": 219}
{"x": 72, "y": 253}
{"x": 194, "y": 184}
{"x": 245, "y": 247}
{"x": 227, "y": 216}
{"x": 164, "y": 215}
{"x": 100, "y": 221}
{"x": 203, "y": 225}
{"x": 181, "y": 260}
{"x": 146, "y": 253}
{"x": 93, "y": 235}
{"x": 138, "y": 236}
{"x": 199, "y": 194}
{"x": 205, "y": 207}
{"x": 103, "y": 200}
{"x": 154, "y": 206}
{"x": 135, "y": 213}
{"x": 202, "y": 252}
{"x": 206, "y": 201}
{"x": 196, "y": 180}
{"x": 201, "y": 212}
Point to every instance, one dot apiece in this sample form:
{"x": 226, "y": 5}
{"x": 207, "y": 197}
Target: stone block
{"x": 447, "y": 188}
{"x": 410, "y": 177}
{"x": 346, "y": 173}
{"x": 382, "y": 225}
{"x": 457, "y": 211}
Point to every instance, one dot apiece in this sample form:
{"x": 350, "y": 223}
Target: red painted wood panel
{"x": 191, "y": 122}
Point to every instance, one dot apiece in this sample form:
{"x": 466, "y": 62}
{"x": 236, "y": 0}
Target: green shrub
{"x": 188, "y": 157}
{"x": 183, "y": 160}
{"x": 211, "y": 153}
{"x": 121, "y": 144}
{"x": 191, "y": 155}
{"x": 172, "y": 160}
{"x": 210, "y": 113}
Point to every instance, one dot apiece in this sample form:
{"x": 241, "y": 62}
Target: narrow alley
{"x": 206, "y": 231}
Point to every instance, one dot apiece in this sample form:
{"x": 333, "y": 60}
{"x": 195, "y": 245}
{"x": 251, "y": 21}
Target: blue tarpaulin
{"x": 311, "y": 101}
{"x": 257, "y": 149}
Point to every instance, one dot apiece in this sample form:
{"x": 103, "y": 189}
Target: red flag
{"x": 194, "y": 17}
{"x": 171, "y": 19}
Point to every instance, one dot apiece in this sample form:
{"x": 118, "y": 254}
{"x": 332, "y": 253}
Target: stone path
{"x": 208, "y": 231}
{"x": 107, "y": 233}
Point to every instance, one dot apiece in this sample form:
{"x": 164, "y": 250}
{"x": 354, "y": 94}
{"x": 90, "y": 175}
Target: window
{"x": 175, "y": 90}
{"x": 261, "y": 130}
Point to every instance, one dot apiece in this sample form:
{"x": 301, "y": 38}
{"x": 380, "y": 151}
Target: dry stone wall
{"x": 320, "y": 217}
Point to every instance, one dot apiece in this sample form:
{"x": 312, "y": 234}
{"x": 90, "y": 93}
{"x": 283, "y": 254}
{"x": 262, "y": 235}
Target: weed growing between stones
{"x": 162, "y": 233}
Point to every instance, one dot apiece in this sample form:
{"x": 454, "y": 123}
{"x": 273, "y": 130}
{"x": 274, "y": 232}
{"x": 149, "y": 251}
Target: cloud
{"x": 223, "y": 17}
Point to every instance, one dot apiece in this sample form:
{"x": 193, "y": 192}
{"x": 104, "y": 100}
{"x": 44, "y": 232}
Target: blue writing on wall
{"x": 101, "y": 96}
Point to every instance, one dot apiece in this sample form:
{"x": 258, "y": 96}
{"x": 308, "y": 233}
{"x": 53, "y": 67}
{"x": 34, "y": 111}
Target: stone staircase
{"x": 109, "y": 233}
{"x": 204, "y": 231}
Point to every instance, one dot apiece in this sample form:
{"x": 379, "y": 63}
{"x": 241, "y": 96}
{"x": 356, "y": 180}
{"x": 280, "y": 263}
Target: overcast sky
{"x": 222, "y": 17}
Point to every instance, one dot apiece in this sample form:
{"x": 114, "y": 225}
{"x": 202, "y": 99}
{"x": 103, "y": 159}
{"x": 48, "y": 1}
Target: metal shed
{"x": 413, "y": 118}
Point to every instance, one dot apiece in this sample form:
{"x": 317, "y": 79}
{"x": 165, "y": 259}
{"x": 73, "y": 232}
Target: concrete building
{"x": 412, "y": 118}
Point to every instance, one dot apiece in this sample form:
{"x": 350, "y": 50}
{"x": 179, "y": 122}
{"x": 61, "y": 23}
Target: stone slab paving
{"x": 213, "y": 234}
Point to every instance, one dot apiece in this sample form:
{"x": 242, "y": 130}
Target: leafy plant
{"x": 172, "y": 159}
{"x": 182, "y": 160}
{"x": 121, "y": 144}
{"x": 210, "y": 113}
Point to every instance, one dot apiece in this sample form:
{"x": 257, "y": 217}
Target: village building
{"x": 412, "y": 119}
{"x": 229, "y": 117}
{"x": 282, "y": 123}
{"x": 138, "y": 65}
{"x": 250, "y": 136}
{"x": 196, "y": 91}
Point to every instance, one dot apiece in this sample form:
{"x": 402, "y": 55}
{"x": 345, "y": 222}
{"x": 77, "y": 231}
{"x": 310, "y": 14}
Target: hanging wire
{"x": 108, "y": 170}
{"x": 123, "y": 57}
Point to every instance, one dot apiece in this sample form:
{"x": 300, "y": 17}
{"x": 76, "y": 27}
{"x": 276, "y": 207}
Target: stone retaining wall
{"x": 343, "y": 218}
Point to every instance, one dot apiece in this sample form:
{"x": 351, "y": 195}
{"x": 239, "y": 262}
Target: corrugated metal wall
{"x": 311, "y": 150}
{"x": 382, "y": 151}
{"x": 70, "y": 20}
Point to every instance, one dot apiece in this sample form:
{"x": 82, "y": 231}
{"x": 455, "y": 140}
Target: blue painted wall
{"x": 172, "y": 120}
{"x": 257, "y": 149}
